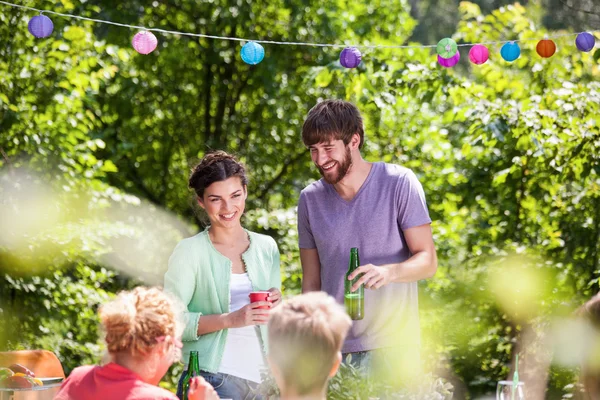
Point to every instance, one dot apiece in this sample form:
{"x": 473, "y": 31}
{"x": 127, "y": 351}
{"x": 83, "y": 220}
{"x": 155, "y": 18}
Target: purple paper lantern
{"x": 350, "y": 57}
{"x": 479, "y": 54}
{"x": 585, "y": 41}
{"x": 40, "y": 26}
{"x": 144, "y": 42}
{"x": 449, "y": 62}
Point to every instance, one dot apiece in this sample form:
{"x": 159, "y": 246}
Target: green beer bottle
{"x": 354, "y": 301}
{"x": 192, "y": 371}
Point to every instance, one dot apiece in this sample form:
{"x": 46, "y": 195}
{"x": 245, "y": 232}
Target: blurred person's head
{"x": 590, "y": 370}
{"x": 220, "y": 183}
{"x": 333, "y": 132}
{"x": 306, "y": 334}
{"x": 142, "y": 330}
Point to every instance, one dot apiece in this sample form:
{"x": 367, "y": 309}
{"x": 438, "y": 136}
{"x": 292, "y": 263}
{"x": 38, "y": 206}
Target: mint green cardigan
{"x": 199, "y": 276}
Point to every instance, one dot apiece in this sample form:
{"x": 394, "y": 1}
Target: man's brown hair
{"x": 332, "y": 120}
{"x": 306, "y": 334}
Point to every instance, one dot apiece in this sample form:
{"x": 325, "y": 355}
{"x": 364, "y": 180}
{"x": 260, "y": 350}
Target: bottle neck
{"x": 194, "y": 365}
{"x": 354, "y": 262}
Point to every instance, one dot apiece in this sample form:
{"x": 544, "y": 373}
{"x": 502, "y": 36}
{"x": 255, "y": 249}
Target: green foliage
{"x": 351, "y": 382}
{"x": 57, "y": 311}
{"x": 281, "y": 224}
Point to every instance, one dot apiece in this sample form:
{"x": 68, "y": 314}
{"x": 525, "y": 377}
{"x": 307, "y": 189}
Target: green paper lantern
{"x": 446, "y": 48}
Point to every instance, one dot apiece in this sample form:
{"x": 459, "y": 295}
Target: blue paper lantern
{"x": 252, "y": 53}
{"x": 585, "y": 41}
{"x": 40, "y": 26}
{"x": 350, "y": 57}
{"x": 510, "y": 51}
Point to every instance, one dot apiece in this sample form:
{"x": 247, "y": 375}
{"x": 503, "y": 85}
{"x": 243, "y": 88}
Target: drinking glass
{"x": 504, "y": 391}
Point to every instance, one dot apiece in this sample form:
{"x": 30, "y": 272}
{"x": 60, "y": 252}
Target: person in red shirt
{"x": 142, "y": 331}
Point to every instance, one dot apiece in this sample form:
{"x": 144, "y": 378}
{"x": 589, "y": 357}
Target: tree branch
{"x": 275, "y": 180}
{"x": 207, "y": 76}
{"x": 224, "y": 80}
{"x": 5, "y": 157}
{"x": 166, "y": 162}
{"x": 565, "y": 2}
{"x": 135, "y": 178}
{"x": 236, "y": 97}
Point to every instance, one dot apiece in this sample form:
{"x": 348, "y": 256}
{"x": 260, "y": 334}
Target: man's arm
{"x": 422, "y": 264}
{"x": 311, "y": 270}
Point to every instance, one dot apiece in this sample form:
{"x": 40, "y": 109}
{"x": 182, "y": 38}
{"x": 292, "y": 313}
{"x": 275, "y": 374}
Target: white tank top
{"x": 242, "y": 356}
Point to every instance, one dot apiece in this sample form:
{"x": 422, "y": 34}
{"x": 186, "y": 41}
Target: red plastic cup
{"x": 259, "y": 296}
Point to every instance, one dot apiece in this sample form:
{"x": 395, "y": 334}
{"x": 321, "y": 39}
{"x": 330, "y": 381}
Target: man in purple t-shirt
{"x": 379, "y": 208}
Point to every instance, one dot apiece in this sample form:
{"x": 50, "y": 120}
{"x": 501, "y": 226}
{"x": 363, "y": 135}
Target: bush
{"x": 353, "y": 383}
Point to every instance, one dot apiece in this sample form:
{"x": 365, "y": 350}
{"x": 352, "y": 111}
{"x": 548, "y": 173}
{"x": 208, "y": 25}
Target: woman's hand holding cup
{"x": 255, "y": 313}
{"x": 274, "y": 297}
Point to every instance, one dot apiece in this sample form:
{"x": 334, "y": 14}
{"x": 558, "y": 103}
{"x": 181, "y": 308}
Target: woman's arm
{"x": 250, "y": 314}
{"x": 275, "y": 276}
{"x": 180, "y": 281}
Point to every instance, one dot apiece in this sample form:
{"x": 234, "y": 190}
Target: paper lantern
{"x": 585, "y": 41}
{"x": 350, "y": 57}
{"x": 252, "y": 53}
{"x": 446, "y": 48}
{"x": 479, "y": 54}
{"x": 510, "y": 51}
{"x": 449, "y": 62}
{"x": 144, "y": 42}
{"x": 40, "y": 26}
{"x": 546, "y": 48}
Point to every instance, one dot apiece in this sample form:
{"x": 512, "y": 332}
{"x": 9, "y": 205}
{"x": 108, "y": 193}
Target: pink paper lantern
{"x": 479, "y": 54}
{"x": 144, "y": 42}
{"x": 449, "y": 62}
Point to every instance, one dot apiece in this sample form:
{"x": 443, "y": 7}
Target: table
{"x": 46, "y": 392}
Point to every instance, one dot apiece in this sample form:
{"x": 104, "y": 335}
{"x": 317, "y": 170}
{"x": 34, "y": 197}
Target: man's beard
{"x": 342, "y": 171}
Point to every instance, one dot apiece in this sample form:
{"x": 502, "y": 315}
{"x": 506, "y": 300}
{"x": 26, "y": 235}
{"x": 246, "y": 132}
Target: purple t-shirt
{"x": 390, "y": 200}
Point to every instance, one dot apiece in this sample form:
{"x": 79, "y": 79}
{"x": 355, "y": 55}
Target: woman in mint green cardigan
{"x": 214, "y": 272}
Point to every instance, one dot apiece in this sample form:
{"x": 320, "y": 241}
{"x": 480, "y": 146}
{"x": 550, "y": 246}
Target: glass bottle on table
{"x": 354, "y": 301}
{"x": 192, "y": 371}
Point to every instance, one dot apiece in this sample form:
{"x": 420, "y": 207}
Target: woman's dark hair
{"x": 216, "y": 166}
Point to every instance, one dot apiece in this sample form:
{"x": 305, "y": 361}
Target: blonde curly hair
{"x": 134, "y": 320}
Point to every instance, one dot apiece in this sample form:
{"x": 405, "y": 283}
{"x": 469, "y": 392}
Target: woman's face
{"x": 224, "y": 202}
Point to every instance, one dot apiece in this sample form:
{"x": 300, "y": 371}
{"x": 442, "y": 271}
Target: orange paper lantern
{"x": 546, "y": 48}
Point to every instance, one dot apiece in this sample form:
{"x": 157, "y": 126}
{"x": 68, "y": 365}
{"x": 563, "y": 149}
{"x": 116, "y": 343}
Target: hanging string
{"x": 237, "y": 39}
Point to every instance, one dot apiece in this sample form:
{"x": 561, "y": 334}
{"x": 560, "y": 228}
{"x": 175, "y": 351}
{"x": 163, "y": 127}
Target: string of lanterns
{"x": 252, "y": 52}
{"x": 448, "y": 55}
